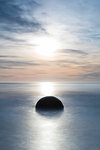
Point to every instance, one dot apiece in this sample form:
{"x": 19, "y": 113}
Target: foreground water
{"x": 76, "y": 128}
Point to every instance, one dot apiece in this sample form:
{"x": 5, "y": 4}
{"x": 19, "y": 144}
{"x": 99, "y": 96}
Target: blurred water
{"x": 76, "y": 128}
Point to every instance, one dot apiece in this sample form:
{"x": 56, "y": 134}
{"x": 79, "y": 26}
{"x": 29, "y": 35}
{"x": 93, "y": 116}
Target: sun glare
{"x": 46, "y": 46}
{"x": 47, "y": 88}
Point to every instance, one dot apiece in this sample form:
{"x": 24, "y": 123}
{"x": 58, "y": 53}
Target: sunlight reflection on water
{"x": 47, "y": 88}
{"x": 48, "y": 127}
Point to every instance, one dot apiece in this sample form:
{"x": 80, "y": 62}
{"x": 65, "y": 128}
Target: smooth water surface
{"x": 76, "y": 128}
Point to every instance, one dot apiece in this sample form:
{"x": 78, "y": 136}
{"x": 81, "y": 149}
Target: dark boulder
{"x": 49, "y": 103}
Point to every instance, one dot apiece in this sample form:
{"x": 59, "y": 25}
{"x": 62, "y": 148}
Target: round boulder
{"x": 49, "y": 103}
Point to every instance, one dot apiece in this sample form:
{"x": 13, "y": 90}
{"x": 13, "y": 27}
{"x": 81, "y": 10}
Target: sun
{"x": 46, "y": 46}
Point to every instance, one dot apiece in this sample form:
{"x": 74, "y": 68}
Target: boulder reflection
{"x": 50, "y": 113}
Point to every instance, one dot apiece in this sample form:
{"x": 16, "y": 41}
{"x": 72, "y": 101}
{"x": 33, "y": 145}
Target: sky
{"x": 56, "y": 40}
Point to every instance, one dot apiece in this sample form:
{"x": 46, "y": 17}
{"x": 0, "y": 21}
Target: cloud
{"x": 93, "y": 74}
{"x": 87, "y": 76}
{"x": 17, "y": 16}
{"x": 14, "y": 64}
{"x": 10, "y": 38}
{"x": 4, "y": 67}
{"x": 6, "y": 76}
{"x": 8, "y": 56}
{"x": 73, "y": 51}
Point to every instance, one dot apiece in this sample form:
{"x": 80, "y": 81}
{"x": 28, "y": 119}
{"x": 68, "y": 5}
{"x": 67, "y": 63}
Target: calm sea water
{"x": 76, "y": 128}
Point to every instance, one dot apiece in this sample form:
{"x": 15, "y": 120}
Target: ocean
{"x": 77, "y": 127}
